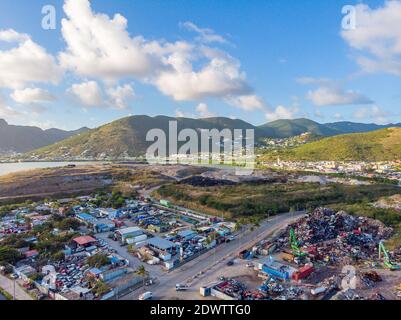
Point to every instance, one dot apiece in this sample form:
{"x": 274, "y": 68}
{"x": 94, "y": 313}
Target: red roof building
{"x": 84, "y": 240}
{"x": 31, "y": 253}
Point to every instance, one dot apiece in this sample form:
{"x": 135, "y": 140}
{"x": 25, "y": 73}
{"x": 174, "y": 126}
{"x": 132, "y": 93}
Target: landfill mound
{"x": 337, "y": 235}
{"x": 199, "y": 181}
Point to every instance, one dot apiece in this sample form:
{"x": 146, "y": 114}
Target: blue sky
{"x": 254, "y": 60}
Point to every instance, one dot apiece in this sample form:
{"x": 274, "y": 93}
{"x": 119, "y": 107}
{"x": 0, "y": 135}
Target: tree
{"x": 9, "y": 255}
{"x": 100, "y": 288}
{"x": 98, "y": 260}
{"x": 142, "y": 272}
{"x": 69, "y": 223}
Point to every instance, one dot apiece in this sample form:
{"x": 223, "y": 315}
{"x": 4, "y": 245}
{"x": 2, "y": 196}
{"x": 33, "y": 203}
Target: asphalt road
{"x": 214, "y": 259}
{"x": 8, "y": 285}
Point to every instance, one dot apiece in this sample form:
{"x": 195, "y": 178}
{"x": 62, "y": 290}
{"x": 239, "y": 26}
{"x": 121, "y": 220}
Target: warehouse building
{"x": 126, "y": 233}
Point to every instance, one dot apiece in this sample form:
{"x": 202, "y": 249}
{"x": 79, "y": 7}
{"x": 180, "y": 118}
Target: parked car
{"x": 146, "y": 296}
{"x": 181, "y": 287}
{"x": 14, "y": 276}
{"x": 230, "y": 263}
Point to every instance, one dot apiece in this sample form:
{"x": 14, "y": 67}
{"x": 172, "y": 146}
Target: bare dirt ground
{"x": 62, "y": 181}
{"x": 55, "y": 181}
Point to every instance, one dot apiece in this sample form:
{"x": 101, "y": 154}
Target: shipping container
{"x": 303, "y": 272}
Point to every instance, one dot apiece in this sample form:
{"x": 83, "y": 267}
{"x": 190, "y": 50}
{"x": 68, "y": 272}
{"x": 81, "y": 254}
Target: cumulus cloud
{"x": 101, "y": 47}
{"x": 249, "y": 102}
{"x": 220, "y": 76}
{"x": 26, "y": 62}
{"x": 206, "y": 35}
{"x": 331, "y": 96}
{"x": 281, "y": 112}
{"x": 203, "y": 110}
{"x": 98, "y": 46}
{"x": 338, "y": 116}
{"x": 377, "y": 37}
{"x": 88, "y": 93}
{"x": 372, "y": 113}
{"x": 120, "y": 96}
{"x": 11, "y": 35}
{"x": 312, "y": 80}
{"x": 5, "y": 110}
{"x": 32, "y": 95}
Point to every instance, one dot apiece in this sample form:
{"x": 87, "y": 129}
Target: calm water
{"x": 6, "y": 168}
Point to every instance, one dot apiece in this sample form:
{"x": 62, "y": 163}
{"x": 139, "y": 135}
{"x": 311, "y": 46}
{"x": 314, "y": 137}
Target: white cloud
{"x": 206, "y": 35}
{"x": 88, "y": 93}
{"x": 377, "y": 37}
{"x": 372, "y": 113}
{"x": 98, "y": 46}
{"x": 330, "y": 96}
{"x": 120, "y": 96}
{"x": 32, "y": 95}
{"x": 203, "y": 110}
{"x": 338, "y": 116}
{"x": 11, "y": 35}
{"x": 312, "y": 80}
{"x": 247, "y": 102}
{"x": 220, "y": 76}
{"x": 101, "y": 47}
{"x": 5, "y": 110}
{"x": 26, "y": 63}
{"x": 282, "y": 112}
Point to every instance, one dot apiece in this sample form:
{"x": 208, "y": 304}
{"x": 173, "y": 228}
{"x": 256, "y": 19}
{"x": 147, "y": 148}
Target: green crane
{"x": 387, "y": 262}
{"x": 294, "y": 245}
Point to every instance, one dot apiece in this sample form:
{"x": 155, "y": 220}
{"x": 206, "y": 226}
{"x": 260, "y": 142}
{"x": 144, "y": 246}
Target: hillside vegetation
{"x": 247, "y": 199}
{"x": 127, "y": 136}
{"x": 378, "y": 145}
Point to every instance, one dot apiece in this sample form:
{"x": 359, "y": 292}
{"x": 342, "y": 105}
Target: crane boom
{"x": 387, "y": 262}
{"x": 294, "y": 244}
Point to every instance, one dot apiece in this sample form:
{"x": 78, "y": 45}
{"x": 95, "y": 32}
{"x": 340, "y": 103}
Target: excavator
{"x": 294, "y": 245}
{"x": 387, "y": 262}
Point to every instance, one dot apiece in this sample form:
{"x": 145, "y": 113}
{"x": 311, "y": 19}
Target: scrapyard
{"x": 324, "y": 255}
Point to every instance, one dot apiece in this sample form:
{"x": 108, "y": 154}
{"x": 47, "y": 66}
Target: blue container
{"x": 275, "y": 273}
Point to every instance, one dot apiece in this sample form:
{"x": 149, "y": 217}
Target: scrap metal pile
{"x": 337, "y": 236}
{"x": 274, "y": 290}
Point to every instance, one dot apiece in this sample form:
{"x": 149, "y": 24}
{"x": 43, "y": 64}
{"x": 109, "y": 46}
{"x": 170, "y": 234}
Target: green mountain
{"x": 380, "y": 145}
{"x": 127, "y": 137}
{"x": 290, "y": 128}
{"x": 23, "y": 138}
{"x": 353, "y": 127}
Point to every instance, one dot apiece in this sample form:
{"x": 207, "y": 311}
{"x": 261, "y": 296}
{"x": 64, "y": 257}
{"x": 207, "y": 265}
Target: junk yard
{"x": 324, "y": 255}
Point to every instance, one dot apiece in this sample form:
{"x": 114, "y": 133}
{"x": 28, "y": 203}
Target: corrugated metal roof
{"x": 160, "y": 243}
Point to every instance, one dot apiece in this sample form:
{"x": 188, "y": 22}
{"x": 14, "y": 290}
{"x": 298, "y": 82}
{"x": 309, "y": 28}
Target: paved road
{"x": 8, "y": 285}
{"x": 214, "y": 259}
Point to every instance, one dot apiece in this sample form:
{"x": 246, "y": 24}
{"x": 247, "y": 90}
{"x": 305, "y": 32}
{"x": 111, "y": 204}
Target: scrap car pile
{"x": 337, "y": 237}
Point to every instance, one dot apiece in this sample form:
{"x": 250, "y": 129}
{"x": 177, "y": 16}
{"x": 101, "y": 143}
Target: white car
{"x": 181, "y": 287}
{"x": 146, "y": 296}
